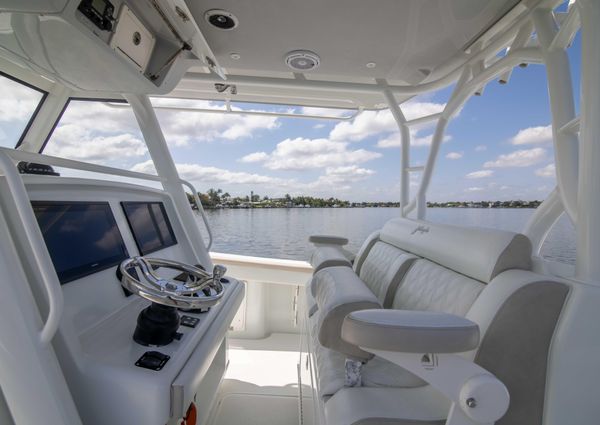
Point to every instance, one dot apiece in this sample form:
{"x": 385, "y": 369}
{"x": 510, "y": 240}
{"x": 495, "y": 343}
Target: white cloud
{"x": 339, "y": 177}
{"x": 547, "y": 171}
{"x": 72, "y": 141}
{"x": 504, "y": 187}
{"x": 301, "y": 154}
{"x": 17, "y": 102}
{"x": 454, "y": 155}
{"x": 334, "y": 179}
{"x": 371, "y": 123}
{"x": 480, "y": 148}
{"x": 255, "y": 157}
{"x": 475, "y": 189}
{"x": 326, "y": 112}
{"x": 393, "y": 141}
{"x": 480, "y": 174}
{"x": 183, "y": 128}
{"x": 533, "y": 136}
{"x": 520, "y": 158}
{"x": 196, "y": 172}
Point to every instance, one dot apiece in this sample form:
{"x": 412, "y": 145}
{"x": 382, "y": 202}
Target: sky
{"x": 499, "y": 147}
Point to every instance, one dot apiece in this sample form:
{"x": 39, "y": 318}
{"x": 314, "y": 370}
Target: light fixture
{"x": 371, "y": 65}
{"x": 235, "y": 56}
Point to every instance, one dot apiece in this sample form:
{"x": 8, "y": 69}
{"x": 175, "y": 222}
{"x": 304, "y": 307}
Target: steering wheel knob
{"x": 200, "y": 289}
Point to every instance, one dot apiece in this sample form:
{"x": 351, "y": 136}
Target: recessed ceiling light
{"x": 235, "y": 56}
{"x": 302, "y": 60}
{"x": 371, "y": 65}
{"x": 221, "y": 19}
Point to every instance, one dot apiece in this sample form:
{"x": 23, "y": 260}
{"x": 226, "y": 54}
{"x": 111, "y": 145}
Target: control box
{"x": 132, "y": 39}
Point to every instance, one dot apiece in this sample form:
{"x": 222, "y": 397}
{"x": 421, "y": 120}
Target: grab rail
{"x": 40, "y": 256}
{"x": 103, "y": 169}
{"x": 198, "y": 203}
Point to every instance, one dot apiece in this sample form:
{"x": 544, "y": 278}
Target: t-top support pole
{"x": 588, "y": 197}
{"x": 165, "y": 167}
{"x": 405, "y": 148}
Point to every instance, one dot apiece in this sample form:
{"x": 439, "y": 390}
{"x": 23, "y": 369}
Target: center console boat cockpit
{"x": 115, "y": 309}
{"x": 140, "y": 321}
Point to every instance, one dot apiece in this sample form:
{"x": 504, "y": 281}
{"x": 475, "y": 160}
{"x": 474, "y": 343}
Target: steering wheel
{"x": 199, "y": 289}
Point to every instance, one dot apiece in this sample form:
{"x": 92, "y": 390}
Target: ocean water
{"x": 283, "y": 233}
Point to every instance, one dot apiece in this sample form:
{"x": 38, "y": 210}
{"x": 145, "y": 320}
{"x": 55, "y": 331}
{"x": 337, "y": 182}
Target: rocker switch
{"x": 189, "y": 321}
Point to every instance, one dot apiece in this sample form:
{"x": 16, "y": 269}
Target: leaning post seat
{"x": 479, "y": 274}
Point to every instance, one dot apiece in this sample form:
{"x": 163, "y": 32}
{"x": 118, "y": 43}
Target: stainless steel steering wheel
{"x": 200, "y": 289}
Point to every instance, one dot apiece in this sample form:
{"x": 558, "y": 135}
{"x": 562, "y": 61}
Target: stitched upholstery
{"x": 375, "y": 266}
{"x": 431, "y": 287}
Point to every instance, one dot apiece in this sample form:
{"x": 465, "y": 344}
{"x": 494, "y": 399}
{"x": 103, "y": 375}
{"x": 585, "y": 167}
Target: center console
{"x": 133, "y": 353}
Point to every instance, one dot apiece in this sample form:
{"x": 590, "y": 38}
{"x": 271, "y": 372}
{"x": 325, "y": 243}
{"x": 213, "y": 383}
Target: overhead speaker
{"x": 302, "y": 60}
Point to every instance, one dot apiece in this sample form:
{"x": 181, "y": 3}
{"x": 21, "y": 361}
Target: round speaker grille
{"x": 221, "y": 19}
{"x": 302, "y": 60}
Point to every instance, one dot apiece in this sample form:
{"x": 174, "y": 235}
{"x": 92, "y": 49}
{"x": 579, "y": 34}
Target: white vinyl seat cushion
{"x": 339, "y": 292}
{"x": 393, "y": 406}
{"x": 377, "y": 372}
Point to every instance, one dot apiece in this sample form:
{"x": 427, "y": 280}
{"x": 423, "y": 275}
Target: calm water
{"x": 283, "y": 233}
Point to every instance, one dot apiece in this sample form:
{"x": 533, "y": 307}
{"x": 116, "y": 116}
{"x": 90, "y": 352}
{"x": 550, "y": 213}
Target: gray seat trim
{"x": 516, "y": 345}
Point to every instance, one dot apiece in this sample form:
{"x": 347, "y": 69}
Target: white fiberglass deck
{"x": 261, "y": 382}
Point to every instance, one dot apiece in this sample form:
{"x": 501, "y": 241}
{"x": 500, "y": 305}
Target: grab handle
{"x": 202, "y": 212}
{"x": 34, "y": 238}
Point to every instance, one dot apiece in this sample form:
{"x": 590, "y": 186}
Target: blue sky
{"x": 499, "y": 147}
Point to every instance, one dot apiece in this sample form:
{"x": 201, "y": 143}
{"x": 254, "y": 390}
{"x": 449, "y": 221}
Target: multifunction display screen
{"x": 81, "y": 237}
{"x": 150, "y": 225}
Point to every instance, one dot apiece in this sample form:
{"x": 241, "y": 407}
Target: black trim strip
{"x": 54, "y": 125}
{"x": 37, "y": 109}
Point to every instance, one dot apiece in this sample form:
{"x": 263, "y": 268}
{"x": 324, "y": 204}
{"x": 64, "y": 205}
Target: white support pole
{"x": 542, "y": 220}
{"x": 438, "y": 136}
{"x": 465, "y": 87}
{"x": 588, "y": 197}
{"x": 405, "y": 147}
{"x": 562, "y": 105}
{"x": 165, "y": 167}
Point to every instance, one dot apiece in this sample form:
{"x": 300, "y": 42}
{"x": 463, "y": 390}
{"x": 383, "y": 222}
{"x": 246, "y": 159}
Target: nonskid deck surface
{"x": 261, "y": 382}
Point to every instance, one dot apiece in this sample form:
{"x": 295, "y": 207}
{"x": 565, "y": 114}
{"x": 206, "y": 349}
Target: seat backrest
{"x": 455, "y": 265}
{"x": 382, "y": 270}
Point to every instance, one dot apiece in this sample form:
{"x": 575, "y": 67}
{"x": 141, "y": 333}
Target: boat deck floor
{"x": 261, "y": 383}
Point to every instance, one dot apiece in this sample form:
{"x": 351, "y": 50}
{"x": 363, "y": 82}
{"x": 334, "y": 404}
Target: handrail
{"x": 198, "y": 203}
{"x": 103, "y": 169}
{"x": 77, "y": 165}
{"x": 355, "y": 112}
{"x": 40, "y": 255}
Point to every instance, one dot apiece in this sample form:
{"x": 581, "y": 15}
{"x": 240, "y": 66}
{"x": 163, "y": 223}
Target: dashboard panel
{"x": 94, "y": 341}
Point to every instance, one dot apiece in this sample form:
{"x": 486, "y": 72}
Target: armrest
{"x": 328, "y": 240}
{"x": 329, "y": 256}
{"x": 425, "y": 344}
{"x": 410, "y": 331}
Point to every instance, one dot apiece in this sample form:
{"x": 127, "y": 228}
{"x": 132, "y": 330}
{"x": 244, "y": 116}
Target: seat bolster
{"x": 339, "y": 292}
{"x": 364, "y": 251}
{"x": 395, "y": 275}
{"x": 329, "y": 256}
